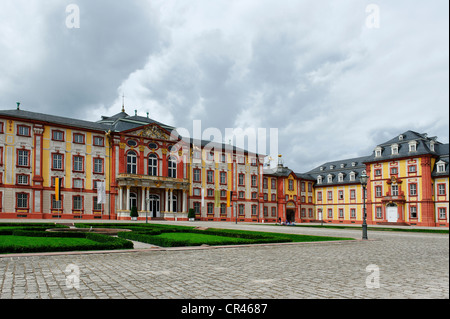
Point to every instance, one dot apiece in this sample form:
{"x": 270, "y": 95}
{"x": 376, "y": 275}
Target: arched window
{"x": 153, "y": 165}
{"x": 172, "y": 167}
{"x": 131, "y": 163}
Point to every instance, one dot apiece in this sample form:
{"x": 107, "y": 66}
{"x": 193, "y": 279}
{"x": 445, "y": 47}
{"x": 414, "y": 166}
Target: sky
{"x": 318, "y": 80}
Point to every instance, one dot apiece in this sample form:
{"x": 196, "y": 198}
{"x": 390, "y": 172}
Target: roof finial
{"x": 123, "y": 103}
{"x": 18, "y": 105}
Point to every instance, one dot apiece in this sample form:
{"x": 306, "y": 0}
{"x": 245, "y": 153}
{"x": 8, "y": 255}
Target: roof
{"x": 52, "y": 119}
{"x": 423, "y": 147}
{"x": 336, "y": 168}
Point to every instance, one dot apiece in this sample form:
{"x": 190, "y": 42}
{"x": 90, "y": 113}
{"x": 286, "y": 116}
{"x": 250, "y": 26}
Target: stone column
{"x": 166, "y": 206}
{"x": 120, "y": 198}
{"x": 128, "y": 197}
{"x": 184, "y": 201}
{"x": 143, "y": 199}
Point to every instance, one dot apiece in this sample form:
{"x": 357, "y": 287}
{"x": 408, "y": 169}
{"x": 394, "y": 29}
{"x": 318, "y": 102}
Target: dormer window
{"x": 340, "y": 177}
{"x": 330, "y": 178}
{"x": 342, "y": 165}
{"x": 432, "y": 145}
{"x": 352, "y": 176}
{"x": 354, "y": 164}
{"x": 412, "y": 146}
{"x": 322, "y": 168}
{"x": 319, "y": 179}
{"x": 378, "y": 151}
{"x": 331, "y": 166}
{"x": 394, "y": 149}
{"x": 400, "y": 138}
{"x": 440, "y": 167}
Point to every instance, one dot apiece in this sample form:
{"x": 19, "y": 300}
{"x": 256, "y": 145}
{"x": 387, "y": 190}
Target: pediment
{"x": 152, "y": 131}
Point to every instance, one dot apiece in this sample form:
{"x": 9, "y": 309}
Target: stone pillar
{"x": 143, "y": 199}
{"x": 128, "y": 197}
{"x": 184, "y": 201}
{"x": 166, "y": 206}
{"x": 120, "y": 198}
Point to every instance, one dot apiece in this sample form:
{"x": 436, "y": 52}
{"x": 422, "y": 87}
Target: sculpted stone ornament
{"x": 154, "y": 132}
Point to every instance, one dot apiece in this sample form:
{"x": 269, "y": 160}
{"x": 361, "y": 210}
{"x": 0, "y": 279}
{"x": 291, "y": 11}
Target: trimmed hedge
{"x": 101, "y": 242}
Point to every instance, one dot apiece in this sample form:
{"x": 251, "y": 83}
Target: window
{"x": 23, "y": 158}
{"x": 241, "y": 210}
{"x": 412, "y": 146}
{"x": 379, "y": 212}
{"x": 131, "y": 163}
{"x": 196, "y": 191}
{"x": 223, "y": 209}
{"x": 96, "y": 206}
{"x": 412, "y": 189}
{"x": 394, "y": 149}
{"x": 274, "y": 183}
{"x": 352, "y": 176}
{"x": 330, "y": 213}
{"x": 441, "y": 189}
{"x": 265, "y": 197}
{"x": 440, "y": 167}
{"x": 330, "y": 178}
{"x": 413, "y": 212}
{"x": 394, "y": 190}
{"x": 330, "y": 195}
{"x": 223, "y": 158}
{"x": 442, "y": 213}
{"x": 378, "y": 191}
{"x": 291, "y": 185}
{"x": 22, "y": 200}
{"x": 266, "y": 211}
{"x": 23, "y": 130}
{"x": 341, "y": 213}
{"x": 341, "y": 177}
{"x": 78, "y": 163}
{"x": 78, "y": 138}
{"x": 23, "y": 180}
{"x": 303, "y": 212}
{"x": 223, "y": 177}
{"x": 77, "y": 183}
{"x": 319, "y": 179}
{"x": 254, "y": 181}
{"x": 58, "y": 136}
{"x": 254, "y": 210}
{"x": 274, "y": 211}
{"x": 241, "y": 194}
{"x": 254, "y": 195}
{"x": 152, "y": 165}
{"x": 352, "y": 194}
{"x": 56, "y": 205}
{"x": 378, "y": 172}
{"x": 153, "y": 146}
{"x": 197, "y": 175}
{"x": 310, "y": 212}
{"x": 378, "y": 152}
{"x": 197, "y": 207}
{"x": 98, "y": 165}
{"x": 274, "y": 198}
{"x": 99, "y": 141}
{"x": 241, "y": 179}
{"x": 210, "y": 192}
{"x": 319, "y": 196}
{"x": 210, "y": 177}
{"x": 57, "y": 161}
{"x": 172, "y": 167}
{"x": 341, "y": 194}
{"x": 223, "y": 193}
{"x": 131, "y": 143}
{"x": 394, "y": 171}
{"x": 352, "y": 213}
{"x": 2, "y": 127}
{"x": 412, "y": 169}
{"x": 77, "y": 202}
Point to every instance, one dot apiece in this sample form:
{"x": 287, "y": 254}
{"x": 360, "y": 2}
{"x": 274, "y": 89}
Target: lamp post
{"x": 363, "y": 180}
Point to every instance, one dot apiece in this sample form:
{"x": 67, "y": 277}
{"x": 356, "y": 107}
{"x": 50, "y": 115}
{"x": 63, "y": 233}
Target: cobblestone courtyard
{"x": 411, "y": 265}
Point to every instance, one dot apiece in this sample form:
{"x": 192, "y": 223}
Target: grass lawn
{"x": 193, "y": 239}
{"x": 19, "y": 242}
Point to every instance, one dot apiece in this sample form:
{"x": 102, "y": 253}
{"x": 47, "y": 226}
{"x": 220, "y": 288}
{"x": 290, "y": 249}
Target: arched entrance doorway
{"x": 392, "y": 213}
{"x": 290, "y": 212}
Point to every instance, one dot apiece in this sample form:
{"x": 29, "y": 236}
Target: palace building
{"x": 54, "y": 167}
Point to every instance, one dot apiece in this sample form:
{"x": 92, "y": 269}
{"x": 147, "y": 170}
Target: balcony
{"x": 152, "y": 181}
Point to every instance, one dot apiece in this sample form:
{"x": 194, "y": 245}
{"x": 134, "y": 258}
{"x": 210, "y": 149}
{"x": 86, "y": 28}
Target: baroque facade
{"x": 110, "y": 166}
